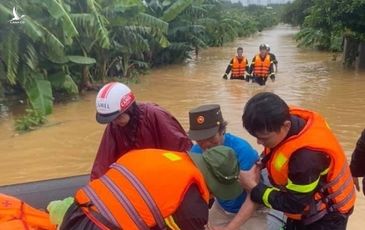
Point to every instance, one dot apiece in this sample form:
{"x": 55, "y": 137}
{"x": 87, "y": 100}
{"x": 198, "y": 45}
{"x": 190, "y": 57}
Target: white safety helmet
{"x": 267, "y": 47}
{"x": 112, "y": 100}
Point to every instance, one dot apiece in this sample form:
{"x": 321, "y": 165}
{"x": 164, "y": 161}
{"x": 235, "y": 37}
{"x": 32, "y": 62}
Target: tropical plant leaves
{"x": 81, "y": 60}
{"x": 39, "y": 93}
{"x": 63, "y": 81}
{"x": 57, "y": 11}
{"x": 175, "y": 9}
{"x": 5, "y": 13}
{"x": 11, "y": 57}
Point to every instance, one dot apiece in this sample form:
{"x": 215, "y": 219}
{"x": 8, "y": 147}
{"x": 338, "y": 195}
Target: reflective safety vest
{"x": 141, "y": 190}
{"x": 337, "y": 193}
{"x": 238, "y": 67}
{"x": 17, "y": 215}
{"x": 262, "y": 67}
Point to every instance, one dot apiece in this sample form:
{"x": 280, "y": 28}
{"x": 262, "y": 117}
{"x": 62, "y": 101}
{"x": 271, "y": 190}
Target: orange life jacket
{"x": 238, "y": 67}
{"x": 17, "y": 215}
{"x": 262, "y": 67}
{"x": 337, "y": 194}
{"x": 165, "y": 175}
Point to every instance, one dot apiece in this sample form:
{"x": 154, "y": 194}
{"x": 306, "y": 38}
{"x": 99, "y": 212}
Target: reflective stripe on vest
{"x": 238, "y": 67}
{"x": 171, "y": 223}
{"x": 324, "y": 204}
{"x": 143, "y": 193}
{"x": 262, "y": 67}
{"x": 100, "y": 205}
{"x": 265, "y": 197}
{"x": 130, "y": 191}
{"x": 337, "y": 193}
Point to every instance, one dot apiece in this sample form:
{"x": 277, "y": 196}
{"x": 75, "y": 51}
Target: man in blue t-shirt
{"x": 208, "y": 129}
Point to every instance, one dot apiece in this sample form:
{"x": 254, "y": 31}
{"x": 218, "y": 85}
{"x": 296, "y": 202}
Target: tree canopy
{"x": 64, "y": 46}
{"x": 324, "y": 23}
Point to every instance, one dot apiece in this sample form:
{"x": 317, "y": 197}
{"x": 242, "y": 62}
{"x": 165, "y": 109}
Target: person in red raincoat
{"x": 132, "y": 125}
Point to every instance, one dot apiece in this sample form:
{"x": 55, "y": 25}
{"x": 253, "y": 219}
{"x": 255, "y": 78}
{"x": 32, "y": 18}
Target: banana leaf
{"x": 81, "y": 60}
{"x": 63, "y": 81}
{"x": 39, "y": 92}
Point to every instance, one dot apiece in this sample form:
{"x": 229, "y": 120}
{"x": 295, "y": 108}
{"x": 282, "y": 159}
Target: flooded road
{"x": 68, "y": 143}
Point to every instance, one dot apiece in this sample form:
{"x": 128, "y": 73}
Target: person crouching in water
{"x": 238, "y": 66}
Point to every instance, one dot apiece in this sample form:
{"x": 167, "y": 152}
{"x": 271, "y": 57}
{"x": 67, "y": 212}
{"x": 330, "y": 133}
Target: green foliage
{"x": 63, "y": 46}
{"x": 63, "y": 82}
{"x": 30, "y": 121}
{"x": 325, "y": 23}
{"x": 81, "y": 60}
{"x": 263, "y": 16}
{"x": 174, "y": 9}
{"x": 295, "y": 12}
{"x": 39, "y": 92}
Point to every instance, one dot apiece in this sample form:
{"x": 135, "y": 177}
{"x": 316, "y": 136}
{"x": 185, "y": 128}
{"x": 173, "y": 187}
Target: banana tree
{"x": 40, "y": 34}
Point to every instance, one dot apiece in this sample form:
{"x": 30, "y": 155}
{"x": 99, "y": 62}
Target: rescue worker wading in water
{"x": 238, "y": 66}
{"x": 311, "y": 179}
{"x": 262, "y": 66}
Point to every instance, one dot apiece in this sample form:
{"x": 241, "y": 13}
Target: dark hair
{"x": 239, "y": 48}
{"x": 132, "y": 126}
{"x": 265, "y": 112}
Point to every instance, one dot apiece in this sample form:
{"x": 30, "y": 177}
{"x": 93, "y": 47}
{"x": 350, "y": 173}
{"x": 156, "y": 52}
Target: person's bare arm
{"x": 245, "y": 212}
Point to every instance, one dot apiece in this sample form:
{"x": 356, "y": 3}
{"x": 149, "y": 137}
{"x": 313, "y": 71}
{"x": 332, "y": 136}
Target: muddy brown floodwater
{"x": 68, "y": 143}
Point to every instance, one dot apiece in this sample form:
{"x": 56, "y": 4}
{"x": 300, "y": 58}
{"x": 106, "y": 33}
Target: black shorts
{"x": 260, "y": 80}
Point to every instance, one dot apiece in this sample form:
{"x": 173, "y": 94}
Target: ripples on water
{"x": 305, "y": 78}
{"x": 67, "y": 145}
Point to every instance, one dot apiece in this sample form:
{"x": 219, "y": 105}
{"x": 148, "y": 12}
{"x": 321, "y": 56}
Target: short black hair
{"x": 239, "y": 48}
{"x": 265, "y": 112}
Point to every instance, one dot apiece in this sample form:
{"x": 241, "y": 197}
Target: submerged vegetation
{"x": 31, "y": 120}
{"x": 59, "y": 47}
